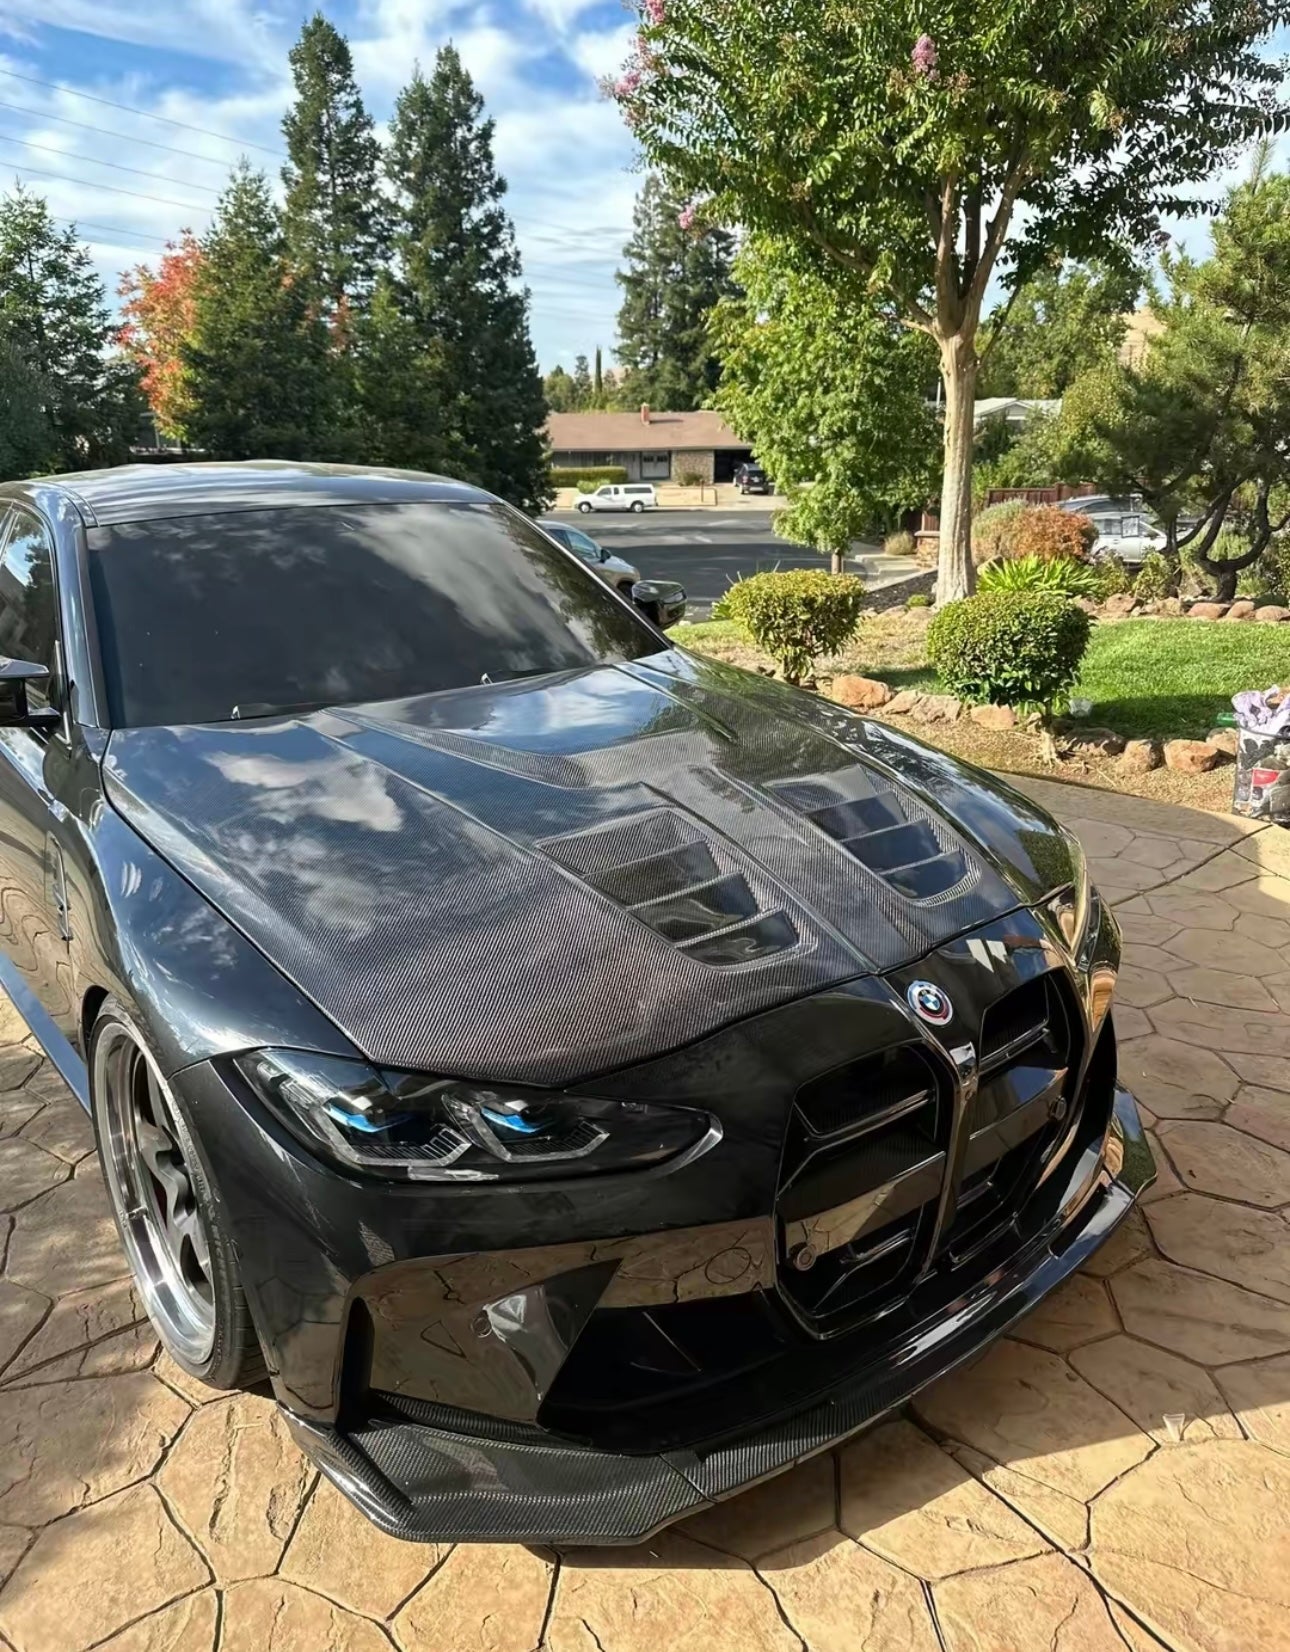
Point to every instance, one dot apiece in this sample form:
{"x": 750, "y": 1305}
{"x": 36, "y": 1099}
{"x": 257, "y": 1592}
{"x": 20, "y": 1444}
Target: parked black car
{"x": 752, "y": 479}
{"x": 588, "y": 1078}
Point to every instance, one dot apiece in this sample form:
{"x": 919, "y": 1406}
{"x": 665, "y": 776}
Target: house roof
{"x": 990, "y": 407}
{"x": 629, "y": 433}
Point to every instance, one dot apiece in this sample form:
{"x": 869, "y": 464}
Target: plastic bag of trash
{"x": 1261, "y": 788}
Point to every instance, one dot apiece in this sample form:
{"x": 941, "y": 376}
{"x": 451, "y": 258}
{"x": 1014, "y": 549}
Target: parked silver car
{"x": 612, "y": 569}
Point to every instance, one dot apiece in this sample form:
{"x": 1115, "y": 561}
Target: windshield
{"x": 241, "y": 614}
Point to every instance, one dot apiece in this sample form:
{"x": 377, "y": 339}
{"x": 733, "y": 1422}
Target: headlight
{"x": 411, "y": 1127}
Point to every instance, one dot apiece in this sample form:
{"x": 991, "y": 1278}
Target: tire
{"x": 584, "y": 507}
{"x": 638, "y": 505}
{"x": 172, "y": 1228}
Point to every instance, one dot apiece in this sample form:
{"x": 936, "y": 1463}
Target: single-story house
{"x": 1013, "y": 410}
{"x": 649, "y": 445}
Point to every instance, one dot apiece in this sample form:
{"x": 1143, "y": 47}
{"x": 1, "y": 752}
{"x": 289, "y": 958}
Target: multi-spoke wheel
{"x": 181, "y": 1258}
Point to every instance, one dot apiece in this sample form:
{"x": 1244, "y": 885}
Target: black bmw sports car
{"x": 586, "y": 1079}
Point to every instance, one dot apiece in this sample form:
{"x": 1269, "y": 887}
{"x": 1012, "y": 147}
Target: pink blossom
{"x": 654, "y": 11}
{"x": 686, "y": 215}
{"x": 629, "y": 82}
{"x": 925, "y": 56}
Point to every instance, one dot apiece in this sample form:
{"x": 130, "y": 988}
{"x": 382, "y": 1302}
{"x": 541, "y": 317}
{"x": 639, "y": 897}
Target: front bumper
{"x": 587, "y": 1362}
{"x": 417, "y": 1480}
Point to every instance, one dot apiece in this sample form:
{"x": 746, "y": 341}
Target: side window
{"x": 28, "y": 624}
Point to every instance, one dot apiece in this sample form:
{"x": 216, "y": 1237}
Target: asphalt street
{"x": 708, "y": 550}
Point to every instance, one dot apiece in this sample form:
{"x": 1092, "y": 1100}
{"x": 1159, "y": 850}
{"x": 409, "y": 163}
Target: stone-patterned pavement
{"x": 1116, "y": 1474}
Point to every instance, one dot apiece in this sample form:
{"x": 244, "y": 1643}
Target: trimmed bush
{"x": 920, "y": 599}
{"x": 1012, "y": 648}
{"x": 1061, "y": 575}
{"x": 796, "y": 615}
{"x": 1045, "y": 531}
{"x": 588, "y": 480}
{"x": 899, "y": 544}
{"x": 994, "y": 531}
{"x": 690, "y": 478}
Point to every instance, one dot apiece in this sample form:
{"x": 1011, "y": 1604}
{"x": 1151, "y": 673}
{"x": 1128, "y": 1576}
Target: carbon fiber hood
{"x": 540, "y": 880}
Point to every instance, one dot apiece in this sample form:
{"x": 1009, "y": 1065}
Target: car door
{"x": 34, "y": 929}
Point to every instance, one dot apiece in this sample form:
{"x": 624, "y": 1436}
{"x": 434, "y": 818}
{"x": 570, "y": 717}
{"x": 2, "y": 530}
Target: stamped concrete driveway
{"x": 1115, "y": 1474}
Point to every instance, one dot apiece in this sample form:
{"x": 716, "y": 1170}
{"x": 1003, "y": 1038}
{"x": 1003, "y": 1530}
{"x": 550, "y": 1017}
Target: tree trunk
{"x": 837, "y": 562}
{"x": 956, "y": 576}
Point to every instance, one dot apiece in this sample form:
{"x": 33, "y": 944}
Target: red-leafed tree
{"x": 158, "y": 314}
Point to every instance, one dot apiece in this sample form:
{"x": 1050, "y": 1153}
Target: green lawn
{"x": 1162, "y": 678}
{"x": 1173, "y": 677}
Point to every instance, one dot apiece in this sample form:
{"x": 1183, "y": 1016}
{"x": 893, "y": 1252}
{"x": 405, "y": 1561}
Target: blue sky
{"x": 221, "y": 66}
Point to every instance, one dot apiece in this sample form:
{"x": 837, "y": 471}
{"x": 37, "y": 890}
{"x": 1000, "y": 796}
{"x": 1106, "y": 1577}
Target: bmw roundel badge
{"x": 930, "y": 1003}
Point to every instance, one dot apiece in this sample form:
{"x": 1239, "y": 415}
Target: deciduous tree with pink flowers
{"x": 922, "y": 151}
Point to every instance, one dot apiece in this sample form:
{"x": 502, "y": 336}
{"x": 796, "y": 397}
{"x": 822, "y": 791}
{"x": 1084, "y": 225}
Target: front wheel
{"x": 176, "y": 1241}
{"x": 584, "y": 506}
{"x": 638, "y": 505}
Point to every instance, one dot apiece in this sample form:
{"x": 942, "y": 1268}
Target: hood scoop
{"x": 886, "y": 831}
{"x": 665, "y": 872}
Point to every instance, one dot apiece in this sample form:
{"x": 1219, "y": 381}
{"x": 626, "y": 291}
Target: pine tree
{"x": 598, "y": 381}
{"x": 334, "y": 216}
{"x": 28, "y": 445}
{"x": 55, "y": 325}
{"x": 457, "y": 264}
{"x": 676, "y": 273}
{"x": 257, "y": 364}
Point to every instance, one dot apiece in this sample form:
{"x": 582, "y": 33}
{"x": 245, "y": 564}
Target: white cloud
{"x": 605, "y": 51}
{"x": 226, "y": 30}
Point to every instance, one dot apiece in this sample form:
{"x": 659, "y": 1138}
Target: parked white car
{"x": 1130, "y": 538}
{"x": 621, "y": 496}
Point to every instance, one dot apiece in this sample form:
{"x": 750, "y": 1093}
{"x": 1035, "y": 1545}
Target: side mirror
{"x": 662, "y": 601}
{"x": 15, "y": 675}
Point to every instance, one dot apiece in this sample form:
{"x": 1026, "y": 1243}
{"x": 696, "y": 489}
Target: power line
{"x": 113, "y": 229}
{"x": 114, "y": 189}
{"x": 71, "y": 155}
{"x": 144, "y": 114}
{"x": 108, "y": 132}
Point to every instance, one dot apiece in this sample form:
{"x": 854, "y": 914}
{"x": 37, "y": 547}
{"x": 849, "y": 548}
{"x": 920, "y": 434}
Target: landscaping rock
{"x": 1086, "y": 741}
{"x": 907, "y": 701}
{"x": 1121, "y": 605}
{"x": 1140, "y": 757}
{"x": 1088, "y": 605}
{"x": 1270, "y": 614}
{"x": 1240, "y": 611}
{"x": 1192, "y": 756}
{"x": 1207, "y": 610}
{"x": 860, "y": 693}
{"x": 939, "y": 708}
{"x": 994, "y": 717}
{"x": 1170, "y": 607}
{"x": 1226, "y": 739}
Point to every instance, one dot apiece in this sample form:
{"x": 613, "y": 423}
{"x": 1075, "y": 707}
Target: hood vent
{"x": 688, "y": 889}
{"x": 885, "y": 830}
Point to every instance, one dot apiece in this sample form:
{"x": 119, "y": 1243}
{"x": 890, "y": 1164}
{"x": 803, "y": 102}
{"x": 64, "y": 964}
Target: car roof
{"x": 135, "y": 493}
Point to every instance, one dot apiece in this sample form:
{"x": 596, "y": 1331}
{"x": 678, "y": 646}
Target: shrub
{"x": 1269, "y": 578}
{"x": 1045, "y": 531}
{"x": 920, "y": 599}
{"x": 1016, "y": 648}
{"x": 1154, "y": 579}
{"x": 994, "y": 529}
{"x": 1061, "y": 575}
{"x": 899, "y": 544}
{"x": 588, "y": 479}
{"x": 690, "y": 478}
{"x": 1112, "y": 576}
{"x": 797, "y": 615}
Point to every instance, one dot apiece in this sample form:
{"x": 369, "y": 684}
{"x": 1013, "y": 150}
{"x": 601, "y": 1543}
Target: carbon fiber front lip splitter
{"x": 425, "y": 1484}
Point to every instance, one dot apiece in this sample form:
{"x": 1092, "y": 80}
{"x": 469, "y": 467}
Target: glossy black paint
{"x": 426, "y": 882}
